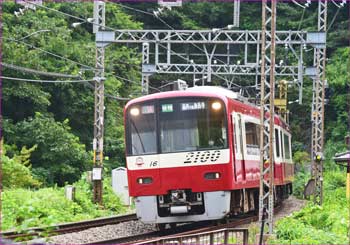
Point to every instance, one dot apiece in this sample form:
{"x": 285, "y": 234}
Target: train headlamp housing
{"x": 216, "y": 105}
{"x": 134, "y": 111}
{"x": 212, "y": 176}
{"x": 145, "y": 180}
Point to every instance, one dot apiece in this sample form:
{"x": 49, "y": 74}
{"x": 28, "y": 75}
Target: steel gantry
{"x": 317, "y": 116}
{"x": 268, "y": 48}
{"x": 217, "y": 52}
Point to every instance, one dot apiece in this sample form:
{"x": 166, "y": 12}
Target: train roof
{"x": 201, "y": 91}
{"x": 204, "y": 91}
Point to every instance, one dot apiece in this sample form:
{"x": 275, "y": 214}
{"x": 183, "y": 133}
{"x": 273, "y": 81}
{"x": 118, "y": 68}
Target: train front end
{"x": 178, "y": 157}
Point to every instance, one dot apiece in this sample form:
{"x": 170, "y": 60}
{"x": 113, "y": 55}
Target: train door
{"x": 288, "y": 166}
{"x": 279, "y": 170}
{"x": 238, "y": 147}
{"x": 251, "y": 143}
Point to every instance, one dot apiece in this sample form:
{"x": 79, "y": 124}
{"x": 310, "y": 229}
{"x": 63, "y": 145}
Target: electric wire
{"x": 108, "y": 95}
{"x": 69, "y": 15}
{"x": 334, "y": 17}
{"x": 61, "y": 57}
{"x": 301, "y": 19}
{"x": 43, "y": 73}
{"x": 58, "y": 56}
{"x": 49, "y": 53}
{"x": 128, "y": 80}
{"x": 68, "y": 81}
{"x": 79, "y": 18}
{"x": 45, "y": 81}
{"x": 164, "y": 22}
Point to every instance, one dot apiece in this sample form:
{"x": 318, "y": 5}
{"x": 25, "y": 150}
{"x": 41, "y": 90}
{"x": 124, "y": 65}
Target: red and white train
{"x": 194, "y": 155}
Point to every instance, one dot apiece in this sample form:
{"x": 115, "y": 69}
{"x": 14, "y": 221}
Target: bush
{"x": 16, "y": 171}
{"x": 59, "y": 152}
{"x": 314, "y": 224}
{"x": 49, "y": 206}
{"x": 301, "y": 178}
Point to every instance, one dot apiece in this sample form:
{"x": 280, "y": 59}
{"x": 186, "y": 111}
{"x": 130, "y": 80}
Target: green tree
{"x": 59, "y": 156}
{"x": 16, "y": 171}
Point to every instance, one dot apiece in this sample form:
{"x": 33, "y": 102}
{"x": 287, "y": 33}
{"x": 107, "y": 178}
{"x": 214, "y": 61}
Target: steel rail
{"x": 187, "y": 229}
{"x": 66, "y": 227}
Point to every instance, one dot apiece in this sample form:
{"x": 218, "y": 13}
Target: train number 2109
{"x": 202, "y": 157}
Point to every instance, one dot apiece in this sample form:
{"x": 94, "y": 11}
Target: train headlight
{"x": 212, "y": 176}
{"x": 145, "y": 181}
{"x": 134, "y": 111}
{"x": 216, "y": 106}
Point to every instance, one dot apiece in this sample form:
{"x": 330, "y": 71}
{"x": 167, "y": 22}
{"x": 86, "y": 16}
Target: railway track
{"x": 59, "y": 229}
{"x": 183, "y": 230}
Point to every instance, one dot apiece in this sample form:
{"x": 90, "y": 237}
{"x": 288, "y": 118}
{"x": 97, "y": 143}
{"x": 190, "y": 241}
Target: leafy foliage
{"x": 58, "y": 151}
{"x": 16, "y": 171}
{"x": 48, "y": 206}
{"x": 58, "y": 118}
{"x": 324, "y": 224}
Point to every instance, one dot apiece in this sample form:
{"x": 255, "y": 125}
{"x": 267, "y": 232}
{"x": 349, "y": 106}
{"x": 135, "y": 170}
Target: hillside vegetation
{"x": 48, "y": 128}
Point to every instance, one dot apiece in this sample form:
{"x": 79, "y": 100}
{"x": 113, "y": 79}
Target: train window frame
{"x": 186, "y": 99}
{"x": 286, "y": 135}
{"x": 128, "y": 139}
{"x": 278, "y": 152}
{"x": 256, "y": 121}
{"x": 282, "y": 145}
{"x": 238, "y": 136}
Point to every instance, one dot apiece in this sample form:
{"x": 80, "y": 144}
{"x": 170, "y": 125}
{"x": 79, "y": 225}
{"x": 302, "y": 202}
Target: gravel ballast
{"x": 125, "y": 229}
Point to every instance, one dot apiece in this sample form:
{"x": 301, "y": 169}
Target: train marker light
{"x": 145, "y": 181}
{"x": 216, "y": 106}
{"x": 139, "y": 161}
{"x": 135, "y": 112}
{"x": 212, "y": 176}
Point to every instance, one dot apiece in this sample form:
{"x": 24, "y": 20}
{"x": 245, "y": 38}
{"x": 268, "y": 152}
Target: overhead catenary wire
{"x": 164, "y": 22}
{"x": 61, "y": 57}
{"x": 58, "y": 56}
{"x": 334, "y": 17}
{"x": 148, "y": 13}
{"x": 113, "y": 29}
{"x": 91, "y": 86}
{"x": 68, "y": 15}
{"x": 50, "y": 53}
{"x": 43, "y": 73}
{"x": 128, "y": 80}
{"x": 45, "y": 81}
{"x": 86, "y": 82}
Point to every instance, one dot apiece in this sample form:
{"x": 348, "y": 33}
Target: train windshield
{"x": 191, "y": 125}
{"x": 142, "y": 130}
{"x": 177, "y": 125}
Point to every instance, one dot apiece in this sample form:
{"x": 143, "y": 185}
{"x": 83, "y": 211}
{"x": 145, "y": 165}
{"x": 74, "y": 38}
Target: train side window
{"x": 287, "y": 146}
{"x": 277, "y": 146}
{"x": 234, "y": 132}
{"x": 282, "y": 146}
{"x": 252, "y": 133}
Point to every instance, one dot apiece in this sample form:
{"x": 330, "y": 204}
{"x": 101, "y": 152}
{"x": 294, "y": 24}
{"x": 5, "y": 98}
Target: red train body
{"x": 194, "y": 155}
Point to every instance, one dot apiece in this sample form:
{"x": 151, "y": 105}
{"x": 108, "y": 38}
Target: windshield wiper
{"x": 138, "y": 134}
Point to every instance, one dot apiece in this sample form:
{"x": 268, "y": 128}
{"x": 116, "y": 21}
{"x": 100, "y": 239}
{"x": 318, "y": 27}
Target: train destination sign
{"x": 192, "y": 106}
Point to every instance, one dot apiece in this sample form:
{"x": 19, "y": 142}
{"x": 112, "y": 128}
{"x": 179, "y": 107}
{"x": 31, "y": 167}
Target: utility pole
{"x": 99, "y": 22}
{"x": 236, "y": 12}
{"x": 318, "y": 96}
{"x": 268, "y": 46}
